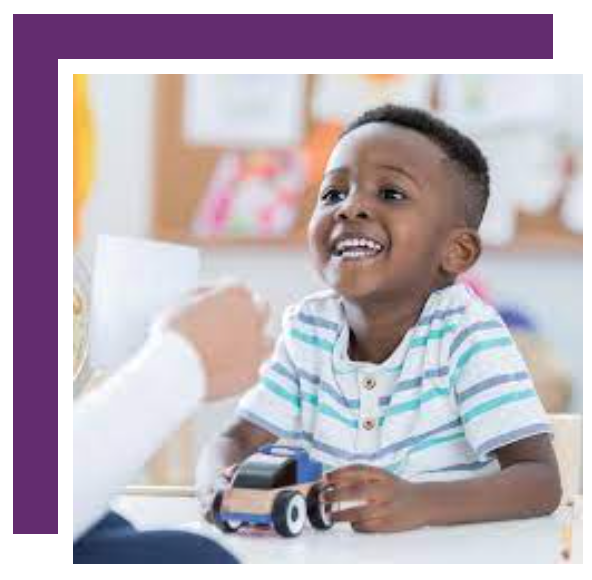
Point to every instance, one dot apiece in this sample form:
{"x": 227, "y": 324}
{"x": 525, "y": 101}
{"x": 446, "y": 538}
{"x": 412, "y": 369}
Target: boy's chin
{"x": 354, "y": 290}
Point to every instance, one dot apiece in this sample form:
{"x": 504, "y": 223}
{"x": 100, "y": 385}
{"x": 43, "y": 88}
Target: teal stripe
{"x": 426, "y": 444}
{"x": 311, "y": 340}
{"x": 432, "y": 335}
{"x": 497, "y": 402}
{"x": 416, "y": 403}
{"x": 278, "y": 390}
{"x": 438, "y": 441}
{"x": 330, "y": 412}
{"x": 311, "y": 399}
{"x": 475, "y": 349}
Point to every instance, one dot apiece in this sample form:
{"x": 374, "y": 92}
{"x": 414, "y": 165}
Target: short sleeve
{"x": 497, "y": 400}
{"x": 274, "y": 403}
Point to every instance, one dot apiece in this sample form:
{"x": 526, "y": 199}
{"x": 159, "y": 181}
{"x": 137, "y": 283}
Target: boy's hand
{"x": 385, "y": 503}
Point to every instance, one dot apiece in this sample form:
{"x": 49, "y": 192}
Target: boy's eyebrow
{"x": 400, "y": 170}
{"x": 394, "y": 168}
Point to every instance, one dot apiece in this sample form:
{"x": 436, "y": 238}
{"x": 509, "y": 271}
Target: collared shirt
{"x": 453, "y": 391}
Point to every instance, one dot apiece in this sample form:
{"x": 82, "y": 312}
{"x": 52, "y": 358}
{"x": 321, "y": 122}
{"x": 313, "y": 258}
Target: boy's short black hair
{"x": 460, "y": 149}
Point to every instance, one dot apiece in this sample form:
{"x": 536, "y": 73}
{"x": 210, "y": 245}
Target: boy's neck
{"x": 378, "y": 327}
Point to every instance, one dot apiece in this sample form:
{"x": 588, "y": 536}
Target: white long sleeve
{"x": 118, "y": 427}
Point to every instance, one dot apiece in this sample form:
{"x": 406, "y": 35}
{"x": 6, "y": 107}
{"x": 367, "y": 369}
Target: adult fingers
{"x": 263, "y": 307}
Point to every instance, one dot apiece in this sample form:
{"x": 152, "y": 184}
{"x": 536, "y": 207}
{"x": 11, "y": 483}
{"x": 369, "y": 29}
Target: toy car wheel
{"x": 319, "y": 514}
{"x": 289, "y": 513}
{"x": 225, "y": 526}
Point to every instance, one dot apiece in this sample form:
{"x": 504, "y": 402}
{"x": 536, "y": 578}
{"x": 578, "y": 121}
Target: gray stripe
{"x": 328, "y": 389}
{"x": 398, "y": 446}
{"x": 511, "y": 437}
{"x": 342, "y": 453}
{"x": 318, "y": 321}
{"x": 490, "y": 383}
{"x": 280, "y": 369}
{"x": 464, "y": 334}
{"x": 418, "y": 381}
{"x": 418, "y": 438}
{"x": 383, "y": 401}
{"x": 439, "y": 315}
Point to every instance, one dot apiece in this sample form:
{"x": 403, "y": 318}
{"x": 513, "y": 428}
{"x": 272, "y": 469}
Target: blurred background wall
{"x": 547, "y": 284}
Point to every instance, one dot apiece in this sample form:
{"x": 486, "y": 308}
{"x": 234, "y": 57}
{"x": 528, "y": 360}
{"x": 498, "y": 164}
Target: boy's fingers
{"x": 353, "y": 473}
{"x": 348, "y": 515}
{"x": 361, "y": 513}
{"x": 334, "y": 494}
{"x": 374, "y": 525}
{"x": 343, "y": 475}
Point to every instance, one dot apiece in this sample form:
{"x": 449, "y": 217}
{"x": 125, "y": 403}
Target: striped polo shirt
{"x": 453, "y": 391}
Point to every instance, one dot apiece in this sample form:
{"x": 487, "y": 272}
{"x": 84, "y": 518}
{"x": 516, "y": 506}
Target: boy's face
{"x": 386, "y": 207}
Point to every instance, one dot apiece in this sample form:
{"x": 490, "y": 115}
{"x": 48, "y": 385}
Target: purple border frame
{"x": 39, "y": 40}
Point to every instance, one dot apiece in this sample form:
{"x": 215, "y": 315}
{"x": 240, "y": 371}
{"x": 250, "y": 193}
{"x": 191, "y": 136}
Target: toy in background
{"x": 550, "y": 374}
{"x": 279, "y": 486}
{"x": 252, "y": 194}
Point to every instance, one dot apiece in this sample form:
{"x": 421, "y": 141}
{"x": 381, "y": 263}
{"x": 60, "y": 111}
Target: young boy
{"x": 404, "y": 384}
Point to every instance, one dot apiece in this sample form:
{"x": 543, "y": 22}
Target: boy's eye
{"x": 393, "y": 194}
{"x": 332, "y": 195}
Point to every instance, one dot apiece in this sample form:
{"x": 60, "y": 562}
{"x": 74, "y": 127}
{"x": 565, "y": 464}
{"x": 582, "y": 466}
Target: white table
{"x": 527, "y": 541}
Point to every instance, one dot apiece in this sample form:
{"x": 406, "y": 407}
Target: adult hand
{"x": 225, "y": 324}
{"x": 206, "y": 495}
{"x": 383, "y": 502}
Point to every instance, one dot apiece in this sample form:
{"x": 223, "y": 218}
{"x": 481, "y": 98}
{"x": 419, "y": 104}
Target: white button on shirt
{"x": 368, "y": 435}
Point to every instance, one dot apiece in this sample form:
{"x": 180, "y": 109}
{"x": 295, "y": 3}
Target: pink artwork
{"x": 252, "y": 195}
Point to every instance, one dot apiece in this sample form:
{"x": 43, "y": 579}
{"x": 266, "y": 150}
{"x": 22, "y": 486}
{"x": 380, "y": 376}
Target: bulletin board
{"x": 184, "y": 171}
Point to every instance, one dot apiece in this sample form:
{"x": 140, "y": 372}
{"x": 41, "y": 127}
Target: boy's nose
{"x": 354, "y": 207}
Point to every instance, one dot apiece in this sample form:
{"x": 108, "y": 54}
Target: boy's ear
{"x": 461, "y": 252}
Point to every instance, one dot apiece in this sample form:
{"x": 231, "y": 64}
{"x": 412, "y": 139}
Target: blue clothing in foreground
{"x": 115, "y": 541}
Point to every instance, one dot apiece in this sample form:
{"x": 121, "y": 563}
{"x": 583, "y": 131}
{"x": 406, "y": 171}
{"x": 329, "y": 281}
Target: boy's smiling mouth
{"x": 356, "y": 247}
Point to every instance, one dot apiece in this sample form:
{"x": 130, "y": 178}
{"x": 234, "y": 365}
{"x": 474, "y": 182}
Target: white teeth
{"x": 358, "y": 243}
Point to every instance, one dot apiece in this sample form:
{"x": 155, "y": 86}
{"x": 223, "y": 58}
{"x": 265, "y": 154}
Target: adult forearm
{"x": 120, "y": 425}
{"x": 522, "y": 490}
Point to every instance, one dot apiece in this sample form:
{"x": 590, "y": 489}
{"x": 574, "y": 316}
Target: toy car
{"x": 279, "y": 487}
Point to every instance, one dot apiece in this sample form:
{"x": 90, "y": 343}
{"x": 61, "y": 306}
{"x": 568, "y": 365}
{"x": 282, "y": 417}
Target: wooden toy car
{"x": 279, "y": 487}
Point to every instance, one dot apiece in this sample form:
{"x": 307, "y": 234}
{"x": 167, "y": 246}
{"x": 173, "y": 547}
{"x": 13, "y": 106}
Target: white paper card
{"x": 133, "y": 281}
{"x": 244, "y": 110}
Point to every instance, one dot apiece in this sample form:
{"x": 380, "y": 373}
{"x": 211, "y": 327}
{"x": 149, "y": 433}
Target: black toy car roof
{"x": 262, "y": 471}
